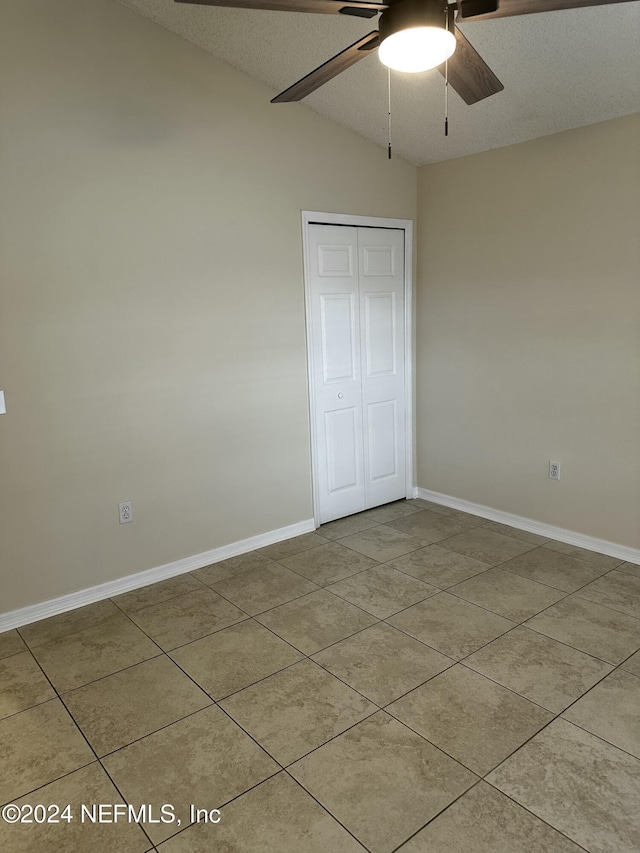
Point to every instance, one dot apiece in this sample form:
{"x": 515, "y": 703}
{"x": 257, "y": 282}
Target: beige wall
{"x": 151, "y": 307}
{"x": 529, "y": 329}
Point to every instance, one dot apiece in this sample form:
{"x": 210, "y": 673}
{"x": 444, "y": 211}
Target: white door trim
{"x": 320, "y": 218}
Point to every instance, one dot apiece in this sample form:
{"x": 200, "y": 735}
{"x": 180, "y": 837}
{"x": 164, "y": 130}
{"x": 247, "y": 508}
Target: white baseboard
{"x": 35, "y": 612}
{"x": 612, "y": 549}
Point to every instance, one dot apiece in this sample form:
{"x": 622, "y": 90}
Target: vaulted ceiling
{"x": 560, "y": 70}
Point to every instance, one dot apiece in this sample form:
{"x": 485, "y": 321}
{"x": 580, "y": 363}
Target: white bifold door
{"x": 356, "y": 293}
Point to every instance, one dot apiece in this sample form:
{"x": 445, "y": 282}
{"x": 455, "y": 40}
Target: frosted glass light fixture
{"x": 414, "y": 35}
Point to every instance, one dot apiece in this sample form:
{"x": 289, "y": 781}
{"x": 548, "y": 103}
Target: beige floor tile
{"x": 617, "y": 590}
{"x": 466, "y": 518}
{"x": 296, "y": 710}
{"x": 382, "y": 590}
{"x": 429, "y": 526}
{"x": 438, "y": 566}
{"x": 90, "y": 787}
{"x": 292, "y": 546}
{"x": 485, "y": 821}
{"x": 390, "y": 512}
{"x": 472, "y": 719}
{"x": 187, "y": 618}
{"x": 596, "y": 630}
{"x": 515, "y": 533}
{"x": 126, "y": 706}
{"x": 632, "y": 664}
{"x": 37, "y": 746}
{"x": 263, "y": 588}
{"x": 382, "y": 663}
{"x": 156, "y": 592}
{"x": 205, "y": 760}
{"x": 382, "y": 543}
{"x": 234, "y": 658}
{"x": 56, "y": 627}
{"x": 420, "y": 503}
{"x": 579, "y": 784}
{"x": 560, "y": 571}
{"x": 507, "y": 594}
{"x": 328, "y": 563}
{"x": 605, "y": 562}
{"x": 487, "y": 546}
{"x": 22, "y": 684}
{"x": 276, "y": 817}
{"x": 95, "y": 652}
{"x": 547, "y": 672}
{"x": 315, "y": 621}
{"x": 345, "y": 527}
{"x": 382, "y": 781}
{"x": 629, "y": 569}
{"x": 612, "y": 711}
{"x": 451, "y": 625}
{"x": 231, "y": 567}
{"x": 11, "y": 643}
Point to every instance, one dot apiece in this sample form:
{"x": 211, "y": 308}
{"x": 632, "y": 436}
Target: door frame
{"x": 313, "y": 217}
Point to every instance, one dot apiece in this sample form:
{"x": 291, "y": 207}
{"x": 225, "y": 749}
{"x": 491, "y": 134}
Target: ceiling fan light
{"x": 417, "y": 48}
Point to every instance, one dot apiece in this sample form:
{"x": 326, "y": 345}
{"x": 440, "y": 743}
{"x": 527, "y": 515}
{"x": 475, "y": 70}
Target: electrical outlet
{"x": 554, "y": 470}
{"x": 125, "y": 511}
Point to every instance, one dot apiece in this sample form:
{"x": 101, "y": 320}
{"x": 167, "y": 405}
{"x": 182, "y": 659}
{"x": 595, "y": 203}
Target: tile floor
{"x": 409, "y": 679}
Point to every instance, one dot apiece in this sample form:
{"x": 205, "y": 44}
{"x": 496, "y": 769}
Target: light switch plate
{"x": 3, "y": 408}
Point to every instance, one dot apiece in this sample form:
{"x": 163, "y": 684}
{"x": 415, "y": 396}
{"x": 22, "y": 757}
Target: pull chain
{"x": 446, "y": 85}
{"x": 389, "y": 114}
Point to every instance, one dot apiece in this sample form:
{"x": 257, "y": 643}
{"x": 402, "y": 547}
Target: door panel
{"x": 335, "y": 352}
{"x": 356, "y": 292}
{"x": 335, "y": 261}
{"x": 341, "y": 430}
{"x": 383, "y": 440}
{"x": 381, "y": 259}
{"x": 380, "y": 334}
{"x": 339, "y": 335}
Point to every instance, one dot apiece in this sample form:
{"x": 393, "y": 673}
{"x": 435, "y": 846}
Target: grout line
{"x": 310, "y": 655}
{"x": 564, "y": 643}
{"x": 626, "y": 660}
{"x": 72, "y": 632}
{"x": 595, "y": 734}
{"x": 395, "y": 612}
{"x": 51, "y": 781}
{"x": 159, "y": 729}
{"x": 82, "y": 734}
{"x": 227, "y": 802}
{"x": 258, "y": 680}
{"x": 436, "y": 816}
{"x": 166, "y": 600}
{"x": 379, "y": 708}
{"x": 537, "y": 817}
{"x": 325, "y": 809}
{"x": 483, "y": 778}
{"x": 245, "y": 618}
{"x": 62, "y": 693}
{"x": 431, "y": 582}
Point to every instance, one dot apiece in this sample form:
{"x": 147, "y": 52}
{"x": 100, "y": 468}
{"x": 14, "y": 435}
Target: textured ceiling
{"x": 560, "y": 70}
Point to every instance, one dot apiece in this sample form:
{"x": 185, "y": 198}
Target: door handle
{"x": 340, "y": 395}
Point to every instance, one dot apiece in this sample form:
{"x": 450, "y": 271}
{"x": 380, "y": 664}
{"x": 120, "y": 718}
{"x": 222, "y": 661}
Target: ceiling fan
{"x": 413, "y": 35}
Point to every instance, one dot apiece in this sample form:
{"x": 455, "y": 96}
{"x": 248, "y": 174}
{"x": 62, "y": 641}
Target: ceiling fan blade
{"x": 471, "y": 8}
{"x": 359, "y": 8}
{"x": 329, "y": 69}
{"x": 507, "y": 8}
{"x": 469, "y": 74}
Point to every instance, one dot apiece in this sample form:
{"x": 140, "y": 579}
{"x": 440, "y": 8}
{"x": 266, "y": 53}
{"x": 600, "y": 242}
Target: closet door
{"x": 356, "y": 278}
{"x": 381, "y": 280}
{"x": 335, "y": 354}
